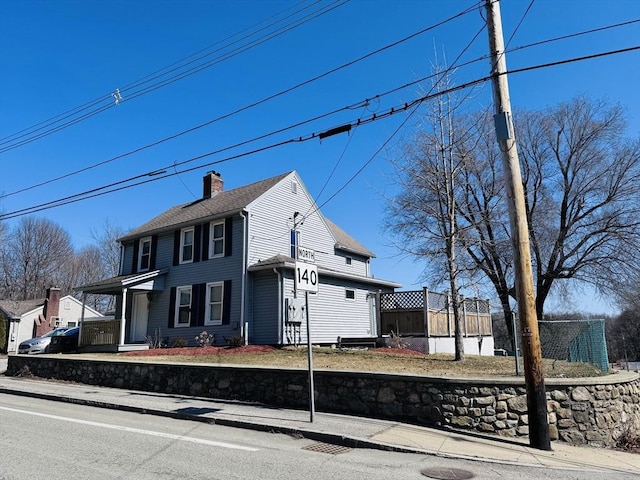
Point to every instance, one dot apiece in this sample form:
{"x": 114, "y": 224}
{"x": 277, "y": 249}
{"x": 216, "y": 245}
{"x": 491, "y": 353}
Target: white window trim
{"x": 141, "y": 242}
{"x": 207, "y": 314}
{"x": 182, "y": 244}
{"x": 350, "y": 290}
{"x": 212, "y": 239}
{"x": 176, "y": 313}
{"x": 348, "y": 260}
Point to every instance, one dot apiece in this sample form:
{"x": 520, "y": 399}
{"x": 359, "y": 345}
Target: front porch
{"x": 103, "y": 335}
{"x": 127, "y": 329}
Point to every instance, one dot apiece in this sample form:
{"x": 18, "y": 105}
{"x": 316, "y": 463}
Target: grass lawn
{"x": 387, "y": 360}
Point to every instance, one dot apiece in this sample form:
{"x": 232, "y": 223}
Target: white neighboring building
{"x": 32, "y": 318}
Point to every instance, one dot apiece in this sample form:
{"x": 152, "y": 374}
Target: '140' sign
{"x": 306, "y": 277}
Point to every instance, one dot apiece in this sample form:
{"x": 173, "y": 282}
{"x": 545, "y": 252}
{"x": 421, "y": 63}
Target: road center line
{"x": 135, "y": 430}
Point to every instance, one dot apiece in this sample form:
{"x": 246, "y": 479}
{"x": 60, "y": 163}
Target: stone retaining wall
{"x": 593, "y": 411}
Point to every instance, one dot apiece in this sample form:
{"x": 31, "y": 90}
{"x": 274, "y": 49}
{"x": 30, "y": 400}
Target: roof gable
{"x": 219, "y": 205}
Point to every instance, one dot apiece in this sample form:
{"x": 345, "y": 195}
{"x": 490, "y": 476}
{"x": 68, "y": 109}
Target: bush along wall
{"x": 585, "y": 411}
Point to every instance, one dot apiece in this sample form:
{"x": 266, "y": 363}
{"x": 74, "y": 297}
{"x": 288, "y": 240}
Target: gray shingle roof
{"x": 17, "y": 308}
{"x": 227, "y": 202}
{"x": 346, "y": 242}
{"x": 220, "y": 205}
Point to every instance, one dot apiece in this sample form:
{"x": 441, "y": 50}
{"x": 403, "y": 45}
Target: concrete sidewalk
{"x": 329, "y": 428}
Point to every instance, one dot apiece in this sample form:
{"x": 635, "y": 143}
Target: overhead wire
{"x": 252, "y": 105}
{"x": 155, "y": 176}
{"x": 180, "y": 76}
{"x": 441, "y": 76}
{"x": 142, "y": 80}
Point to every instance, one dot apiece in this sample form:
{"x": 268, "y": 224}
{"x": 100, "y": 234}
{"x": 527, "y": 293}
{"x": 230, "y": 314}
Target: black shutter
{"x": 198, "y": 307}
{"x": 136, "y": 252}
{"x": 153, "y": 253}
{"x": 226, "y": 303}
{"x": 205, "y": 241}
{"x": 172, "y": 307}
{"x": 228, "y": 239}
{"x": 197, "y": 234}
{"x": 176, "y": 247}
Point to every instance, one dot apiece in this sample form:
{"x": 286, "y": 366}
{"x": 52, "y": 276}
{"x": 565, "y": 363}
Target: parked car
{"x": 40, "y": 344}
{"x": 67, "y": 342}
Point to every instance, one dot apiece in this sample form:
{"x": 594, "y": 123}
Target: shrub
{"x": 3, "y": 334}
{"x": 235, "y": 342}
{"x": 178, "y": 343}
{"x": 205, "y": 339}
{"x": 396, "y": 341}
{"x": 629, "y": 441}
{"x": 155, "y": 340}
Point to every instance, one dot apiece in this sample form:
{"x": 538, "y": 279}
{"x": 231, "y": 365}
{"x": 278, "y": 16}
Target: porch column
{"x": 84, "y": 302}
{"x": 123, "y": 320}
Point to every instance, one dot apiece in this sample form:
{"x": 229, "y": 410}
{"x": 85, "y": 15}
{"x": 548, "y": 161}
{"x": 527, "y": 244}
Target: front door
{"x": 139, "y": 317}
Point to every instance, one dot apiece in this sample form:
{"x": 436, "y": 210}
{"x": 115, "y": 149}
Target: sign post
{"x": 306, "y": 279}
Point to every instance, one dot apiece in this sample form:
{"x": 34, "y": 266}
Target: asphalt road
{"x": 51, "y": 440}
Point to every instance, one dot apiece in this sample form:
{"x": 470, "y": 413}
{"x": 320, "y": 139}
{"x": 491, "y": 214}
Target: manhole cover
{"x": 326, "y": 448}
{"x": 444, "y": 473}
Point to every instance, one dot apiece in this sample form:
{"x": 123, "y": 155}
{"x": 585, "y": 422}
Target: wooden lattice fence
{"x": 425, "y": 313}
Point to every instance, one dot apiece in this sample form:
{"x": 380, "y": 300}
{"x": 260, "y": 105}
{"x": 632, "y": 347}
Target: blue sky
{"x": 56, "y": 56}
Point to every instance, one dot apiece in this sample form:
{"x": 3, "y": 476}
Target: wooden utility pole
{"x": 531, "y": 351}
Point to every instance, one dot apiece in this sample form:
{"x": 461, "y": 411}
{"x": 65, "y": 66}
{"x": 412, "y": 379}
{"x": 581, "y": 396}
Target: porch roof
{"x": 113, "y": 285}
{"x": 284, "y": 261}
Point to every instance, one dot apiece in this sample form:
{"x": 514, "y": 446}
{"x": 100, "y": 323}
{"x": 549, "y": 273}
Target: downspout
{"x": 243, "y": 287}
{"x": 280, "y": 321}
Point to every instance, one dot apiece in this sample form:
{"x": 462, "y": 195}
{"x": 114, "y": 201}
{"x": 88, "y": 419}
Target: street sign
{"x": 306, "y": 277}
{"x": 306, "y": 255}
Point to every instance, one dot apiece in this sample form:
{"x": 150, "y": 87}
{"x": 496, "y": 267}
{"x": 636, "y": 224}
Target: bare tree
{"x": 85, "y": 268}
{"x": 107, "y": 242}
{"x": 37, "y": 255}
{"x": 4, "y": 260}
{"x": 582, "y": 186}
{"x": 425, "y": 214}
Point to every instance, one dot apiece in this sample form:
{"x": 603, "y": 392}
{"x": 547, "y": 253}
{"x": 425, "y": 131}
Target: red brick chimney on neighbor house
{"x": 50, "y": 313}
{"x": 212, "y": 184}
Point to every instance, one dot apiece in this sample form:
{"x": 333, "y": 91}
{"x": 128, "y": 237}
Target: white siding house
{"x": 24, "y": 315}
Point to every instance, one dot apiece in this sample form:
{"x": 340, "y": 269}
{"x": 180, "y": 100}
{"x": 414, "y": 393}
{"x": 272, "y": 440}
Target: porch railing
{"x": 430, "y": 314}
{"x": 100, "y": 332}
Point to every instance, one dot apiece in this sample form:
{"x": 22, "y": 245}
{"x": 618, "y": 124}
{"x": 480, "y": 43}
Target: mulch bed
{"x": 210, "y": 351}
{"x": 199, "y": 351}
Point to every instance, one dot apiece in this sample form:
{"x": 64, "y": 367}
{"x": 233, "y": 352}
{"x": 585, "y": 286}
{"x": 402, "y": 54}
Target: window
{"x": 350, "y": 294}
{"x": 348, "y": 260}
{"x": 186, "y": 245}
{"x": 215, "y": 294}
{"x": 216, "y": 246}
{"x": 295, "y": 241}
{"x": 183, "y": 307}
{"x": 144, "y": 255}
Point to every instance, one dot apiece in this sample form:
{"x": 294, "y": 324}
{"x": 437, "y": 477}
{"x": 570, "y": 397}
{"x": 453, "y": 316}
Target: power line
{"x": 252, "y": 105}
{"x": 180, "y": 76}
{"x": 159, "y": 175}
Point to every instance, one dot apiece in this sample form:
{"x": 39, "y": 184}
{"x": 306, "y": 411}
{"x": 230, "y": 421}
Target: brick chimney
{"x": 51, "y": 309}
{"x": 212, "y": 184}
